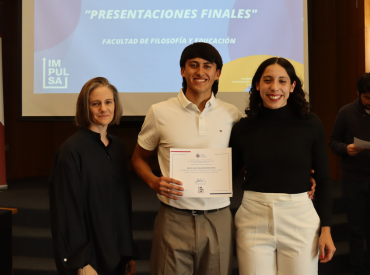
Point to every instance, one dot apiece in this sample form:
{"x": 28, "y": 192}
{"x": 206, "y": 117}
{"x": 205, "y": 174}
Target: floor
{"x": 32, "y": 247}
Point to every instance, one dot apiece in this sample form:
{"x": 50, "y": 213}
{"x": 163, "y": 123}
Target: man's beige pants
{"x": 186, "y": 244}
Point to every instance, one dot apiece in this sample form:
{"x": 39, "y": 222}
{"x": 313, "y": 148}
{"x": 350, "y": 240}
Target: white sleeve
{"x": 149, "y": 137}
{"x": 241, "y": 115}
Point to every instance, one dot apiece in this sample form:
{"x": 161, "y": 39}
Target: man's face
{"x": 365, "y": 100}
{"x": 200, "y": 75}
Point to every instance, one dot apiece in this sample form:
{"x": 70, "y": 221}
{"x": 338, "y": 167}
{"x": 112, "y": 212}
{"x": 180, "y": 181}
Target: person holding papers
{"x": 90, "y": 197}
{"x": 191, "y": 235}
{"x": 278, "y": 143}
{"x": 352, "y": 123}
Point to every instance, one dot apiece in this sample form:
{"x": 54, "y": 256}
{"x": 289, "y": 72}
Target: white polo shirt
{"x": 178, "y": 123}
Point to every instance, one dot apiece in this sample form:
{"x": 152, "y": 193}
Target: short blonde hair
{"x": 82, "y": 117}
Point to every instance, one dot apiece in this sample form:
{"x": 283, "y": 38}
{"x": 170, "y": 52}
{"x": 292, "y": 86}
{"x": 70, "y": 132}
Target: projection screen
{"x": 137, "y": 45}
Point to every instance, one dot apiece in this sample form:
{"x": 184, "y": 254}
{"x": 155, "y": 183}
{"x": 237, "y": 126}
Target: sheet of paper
{"x": 362, "y": 143}
{"x": 203, "y": 172}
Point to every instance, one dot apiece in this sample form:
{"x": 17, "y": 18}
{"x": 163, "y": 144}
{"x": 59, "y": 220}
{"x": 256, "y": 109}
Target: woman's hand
{"x": 326, "y": 245}
{"x": 131, "y": 267}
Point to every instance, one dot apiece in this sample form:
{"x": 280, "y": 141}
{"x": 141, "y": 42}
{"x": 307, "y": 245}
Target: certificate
{"x": 361, "y": 143}
{"x": 203, "y": 172}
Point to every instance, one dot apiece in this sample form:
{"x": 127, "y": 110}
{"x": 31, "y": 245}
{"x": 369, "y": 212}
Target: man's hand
{"x": 162, "y": 185}
{"x": 313, "y": 186}
{"x": 130, "y": 268}
{"x": 353, "y": 150}
{"x": 167, "y": 187}
{"x": 87, "y": 270}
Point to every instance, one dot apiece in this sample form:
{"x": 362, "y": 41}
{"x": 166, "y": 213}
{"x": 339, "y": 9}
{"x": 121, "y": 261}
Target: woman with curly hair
{"x": 278, "y": 143}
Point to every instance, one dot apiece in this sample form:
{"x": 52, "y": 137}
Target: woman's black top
{"x": 90, "y": 204}
{"x": 278, "y": 151}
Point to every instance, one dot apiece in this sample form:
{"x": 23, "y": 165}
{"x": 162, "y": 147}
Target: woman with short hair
{"x": 90, "y": 197}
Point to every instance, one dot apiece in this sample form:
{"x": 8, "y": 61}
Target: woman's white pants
{"x": 277, "y": 234}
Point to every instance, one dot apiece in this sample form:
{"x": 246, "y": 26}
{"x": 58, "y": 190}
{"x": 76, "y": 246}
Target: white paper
{"x": 362, "y": 143}
{"x": 203, "y": 172}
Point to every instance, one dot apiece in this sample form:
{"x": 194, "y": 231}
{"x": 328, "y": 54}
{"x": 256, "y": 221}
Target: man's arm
{"x": 313, "y": 186}
{"x": 336, "y": 143}
{"x": 162, "y": 185}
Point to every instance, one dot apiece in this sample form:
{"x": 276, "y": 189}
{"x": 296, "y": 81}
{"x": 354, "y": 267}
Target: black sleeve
{"x": 336, "y": 143}
{"x": 236, "y": 152}
{"x": 67, "y": 214}
{"x": 323, "y": 194}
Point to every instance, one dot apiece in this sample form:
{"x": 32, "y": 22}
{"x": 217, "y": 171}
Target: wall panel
{"x": 336, "y": 60}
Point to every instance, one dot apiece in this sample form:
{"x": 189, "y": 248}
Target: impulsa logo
{"x": 54, "y": 76}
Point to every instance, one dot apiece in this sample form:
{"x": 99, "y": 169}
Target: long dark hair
{"x": 296, "y": 101}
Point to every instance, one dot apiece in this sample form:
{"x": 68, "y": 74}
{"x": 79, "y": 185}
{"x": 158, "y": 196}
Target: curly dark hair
{"x": 296, "y": 101}
{"x": 363, "y": 84}
{"x": 205, "y": 51}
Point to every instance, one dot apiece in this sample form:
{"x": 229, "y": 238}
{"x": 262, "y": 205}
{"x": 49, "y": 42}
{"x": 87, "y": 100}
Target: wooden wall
{"x": 367, "y": 35}
{"x": 337, "y": 57}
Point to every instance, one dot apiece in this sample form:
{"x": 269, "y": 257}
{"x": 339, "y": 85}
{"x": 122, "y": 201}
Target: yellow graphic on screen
{"x": 237, "y": 75}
